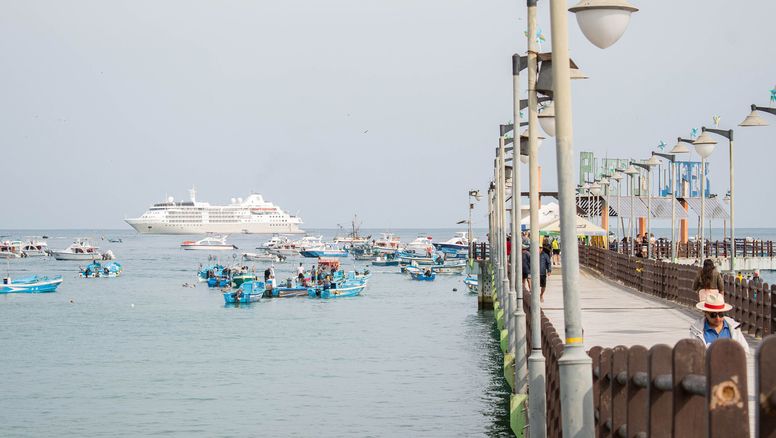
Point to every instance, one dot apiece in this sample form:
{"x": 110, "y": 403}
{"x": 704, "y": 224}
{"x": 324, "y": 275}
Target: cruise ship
{"x": 252, "y": 215}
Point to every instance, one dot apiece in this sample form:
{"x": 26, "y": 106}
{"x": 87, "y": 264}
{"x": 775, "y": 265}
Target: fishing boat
{"x": 213, "y": 243}
{"x": 362, "y": 257}
{"x": 388, "y": 243}
{"x": 115, "y": 240}
{"x": 353, "y": 237}
{"x": 35, "y": 248}
{"x": 80, "y": 249}
{"x": 97, "y": 269}
{"x": 422, "y": 276}
{"x": 472, "y": 283}
{"x": 248, "y": 292}
{"x": 291, "y": 249}
{"x": 421, "y": 245}
{"x": 290, "y": 289}
{"x": 219, "y": 281}
{"x": 385, "y": 261}
{"x": 459, "y": 242}
{"x": 210, "y": 271}
{"x": 327, "y": 251}
{"x": 33, "y": 284}
{"x": 450, "y": 268}
{"x": 337, "y": 290}
{"x": 11, "y": 249}
{"x": 408, "y": 258}
{"x": 240, "y": 278}
{"x": 263, "y": 257}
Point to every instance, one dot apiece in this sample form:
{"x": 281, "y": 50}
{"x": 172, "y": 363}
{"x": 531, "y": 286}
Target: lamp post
{"x": 647, "y": 165}
{"x": 704, "y": 146}
{"x": 728, "y": 134}
{"x": 754, "y": 119}
{"x": 603, "y": 21}
{"x": 671, "y": 159}
{"x": 631, "y": 172}
{"x": 617, "y": 176}
{"x": 476, "y": 195}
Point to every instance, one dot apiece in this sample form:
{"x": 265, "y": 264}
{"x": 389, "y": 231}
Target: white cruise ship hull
{"x": 147, "y": 227}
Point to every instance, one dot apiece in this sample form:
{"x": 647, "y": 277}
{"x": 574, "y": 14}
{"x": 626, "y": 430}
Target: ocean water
{"x": 142, "y": 355}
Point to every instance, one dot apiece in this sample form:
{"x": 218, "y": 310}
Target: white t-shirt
{"x": 300, "y": 270}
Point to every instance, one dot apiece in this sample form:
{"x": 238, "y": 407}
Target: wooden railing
{"x": 684, "y": 391}
{"x": 753, "y": 304}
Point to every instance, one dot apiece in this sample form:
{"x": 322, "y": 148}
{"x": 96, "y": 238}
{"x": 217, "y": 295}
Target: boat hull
{"x": 208, "y": 247}
{"x": 67, "y": 256}
{"x": 421, "y": 277}
{"x": 316, "y": 254}
{"x": 155, "y": 227}
{"x": 44, "y": 285}
{"x": 340, "y": 292}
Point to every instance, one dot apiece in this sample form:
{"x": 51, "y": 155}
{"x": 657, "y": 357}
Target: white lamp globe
{"x": 603, "y": 21}
{"x": 547, "y": 119}
{"x": 524, "y": 159}
{"x": 595, "y": 189}
{"x": 704, "y": 145}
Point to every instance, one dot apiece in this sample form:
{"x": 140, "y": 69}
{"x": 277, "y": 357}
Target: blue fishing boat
{"x": 97, "y": 269}
{"x": 33, "y": 284}
{"x": 472, "y": 283}
{"x": 290, "y": 292}
{"x": 337, "y": 290}
{"x": 385, "y": 261}
{"x": 209, "y": 271}
{"x": 220, "y": 281}
{"x": 422, "y": 276}
{"x": 248, "y": 292}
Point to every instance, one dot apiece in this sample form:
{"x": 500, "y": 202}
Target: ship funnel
{"x": 193, "y": 194}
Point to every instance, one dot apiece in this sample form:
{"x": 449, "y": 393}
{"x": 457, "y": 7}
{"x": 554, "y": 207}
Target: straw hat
{"x": 714, "y": 303}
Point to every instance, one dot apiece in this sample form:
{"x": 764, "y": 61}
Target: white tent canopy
{"x": 548, "y": 213}
{"x": 584, "y": 228}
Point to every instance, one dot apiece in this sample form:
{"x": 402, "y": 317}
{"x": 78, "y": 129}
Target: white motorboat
{"x": 35, "y": 248}
{"x": 459, "y": 242}
{"x": 262, "y": 257}
{"x": 214, "y": 243}
{"x": 11, "y": 249}
{"x": 81, "y": 249}
{"x": 421, "y": 245}
{"x": 387, "y": 244}
{"x": 274, "y": 242}
{"x": 290, "y": 249}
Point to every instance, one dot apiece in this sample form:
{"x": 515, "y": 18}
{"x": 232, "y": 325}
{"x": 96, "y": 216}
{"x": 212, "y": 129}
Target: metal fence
{"x": 662, "y": 248}
{"x": 754, "y": 305}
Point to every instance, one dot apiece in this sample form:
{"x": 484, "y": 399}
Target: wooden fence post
{"x": 726, "y": 392}
{"x": 660, "y": 400}
{"x": 638, "y": 392}
{"x": 765, "y": 388}
{"x": 605, "y": 411}
{"x": 689, "y": 402}
{"x": 619, "y": 390}
{"x": 595, "y": 355}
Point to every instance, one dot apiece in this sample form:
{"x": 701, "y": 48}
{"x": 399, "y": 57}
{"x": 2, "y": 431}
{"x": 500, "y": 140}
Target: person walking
{"x": 708, "y": 280}
{"x": 757, "y": 281}
{"x": 715, "y": 324}
{"x": 555, "y": 251}
{"x": 545, "y": 268}
{"x": 526, "y": 267}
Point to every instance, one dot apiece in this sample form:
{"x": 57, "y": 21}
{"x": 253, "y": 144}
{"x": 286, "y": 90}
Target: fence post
{"x": 595, "y": 354}
{"x": 638, "y": 391}
{"x": 605, "y": 410}
{"x": 660, "y": 401}
{"x": 689, "y": 407}
{"x": 765, "y": 388}
{"x": 726, "y": 392}
{"x": 619, "y": 390}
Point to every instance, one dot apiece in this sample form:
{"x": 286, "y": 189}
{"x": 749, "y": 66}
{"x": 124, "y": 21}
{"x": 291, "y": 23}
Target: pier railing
{"x": 661, "y": 249}
{"x": 754, "y": 305}
{"x": 479, "y": 251}
{"x": 684, "y": 391}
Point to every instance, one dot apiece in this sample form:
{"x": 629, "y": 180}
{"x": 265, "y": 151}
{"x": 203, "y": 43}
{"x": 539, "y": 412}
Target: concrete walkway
{"x": 614, "y": 315}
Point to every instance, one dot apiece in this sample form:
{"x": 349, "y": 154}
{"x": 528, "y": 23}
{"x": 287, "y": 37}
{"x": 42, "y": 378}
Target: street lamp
{"x": 704, "y": 146}
{"x": 617, "y": 176}
{"x": 647, "y": 165}
{"x": 672, "y": 159}
{"x": 476, "y": 195}
{"x": 603, "y": 21}
{"x": 728, "y": 134}
{"x": 547, "y": 119}
{"x": 631, "y": 172}
{"x": 575, "y": 366}
{"x": 754, "y": 119}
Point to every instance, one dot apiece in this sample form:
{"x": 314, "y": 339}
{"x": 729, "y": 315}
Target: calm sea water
{"x": 142, "y": 355}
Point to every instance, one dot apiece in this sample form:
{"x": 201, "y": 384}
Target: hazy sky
{"x": 384, "y": 108}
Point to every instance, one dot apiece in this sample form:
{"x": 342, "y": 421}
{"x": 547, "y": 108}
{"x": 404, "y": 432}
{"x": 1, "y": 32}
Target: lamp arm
{"x": 643, "y": 166}
{"x": 685, "y": 140}
{"x": 669, "y": 157}
{"x": 728, "y": 134}
{"x": 764, "y": 109}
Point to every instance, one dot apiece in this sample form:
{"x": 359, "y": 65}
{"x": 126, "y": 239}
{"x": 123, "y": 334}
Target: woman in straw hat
{"x": 714, "y": 324}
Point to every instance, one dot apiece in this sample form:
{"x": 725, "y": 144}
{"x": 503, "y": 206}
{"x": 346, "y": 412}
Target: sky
{"x": 388, "y": 109}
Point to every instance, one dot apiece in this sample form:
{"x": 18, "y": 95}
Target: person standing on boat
{"x": 267, "y": 274}
{"x": 300, "y": 273}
